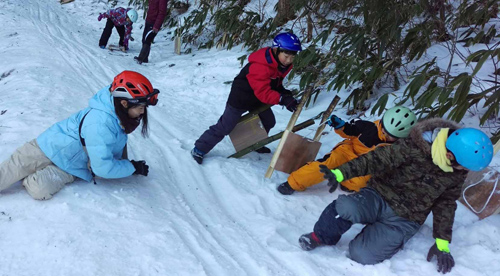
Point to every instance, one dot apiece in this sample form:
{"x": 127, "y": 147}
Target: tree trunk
{"x": 285, "y": 12}
{"x": 437, "y": 10}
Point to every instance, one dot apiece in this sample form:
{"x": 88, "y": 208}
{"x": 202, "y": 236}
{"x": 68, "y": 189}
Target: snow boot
{"x": 285, "y": 189}
{"x": 140, "y": 62}
{"x": 263, "y": 150}
{"x": 144, "y": 54}
{"x": 309, "y": 241}
{"x": 197, "y": 155}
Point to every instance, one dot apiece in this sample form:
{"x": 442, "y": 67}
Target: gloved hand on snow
{"x": 100, "y": 17}
{"x": 289, "y": 102}
{"x": 442, "y": 252}
{"x": 335, "y": 122}
{"x": 140, "y": 167}
{"x": 334, "y": 177}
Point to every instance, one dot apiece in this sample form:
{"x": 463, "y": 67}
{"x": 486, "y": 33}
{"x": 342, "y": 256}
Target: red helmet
{"x": 135, "y": 88}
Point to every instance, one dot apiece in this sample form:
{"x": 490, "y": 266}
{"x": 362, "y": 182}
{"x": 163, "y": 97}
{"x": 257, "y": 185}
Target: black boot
{"x": 285, "y": 189}
{"x": 144, "y": 54}
{"x": 263, "y": 150}
{"x": 309, "y": 241}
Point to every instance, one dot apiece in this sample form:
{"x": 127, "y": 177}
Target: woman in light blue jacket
{"x": 89, "y": 143}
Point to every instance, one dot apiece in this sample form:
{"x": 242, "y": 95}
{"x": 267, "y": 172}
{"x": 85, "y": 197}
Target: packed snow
{"x": 220, "y": 218}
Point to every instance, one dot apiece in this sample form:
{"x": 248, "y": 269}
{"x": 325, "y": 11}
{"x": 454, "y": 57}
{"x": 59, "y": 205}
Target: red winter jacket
{"x": 260, "y": 81}
{"x": 157, "y": 11}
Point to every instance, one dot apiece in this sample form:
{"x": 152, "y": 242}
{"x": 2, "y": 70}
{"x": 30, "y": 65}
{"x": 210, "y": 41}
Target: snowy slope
{"x": 222, "y": 218}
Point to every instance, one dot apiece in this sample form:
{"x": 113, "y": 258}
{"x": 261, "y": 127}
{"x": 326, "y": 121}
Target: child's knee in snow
{"x": 346, "y": 207}
{"x": 361, "y": 255}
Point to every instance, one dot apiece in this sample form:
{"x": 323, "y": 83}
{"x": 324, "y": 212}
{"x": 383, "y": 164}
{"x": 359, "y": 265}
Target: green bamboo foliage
{"x": 366, "y": 45}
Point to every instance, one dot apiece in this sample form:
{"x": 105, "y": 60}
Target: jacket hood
{"x": 429, "y": 125}
{"x": 103, "y": 100}
{"x": 263, "y": 56}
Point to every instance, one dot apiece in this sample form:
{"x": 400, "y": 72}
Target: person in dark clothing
{"x": 157, "y": 11}
{"x": 415, "y": 176}
{"x": 122, "y": 19}
{"x": 259, "y": 82}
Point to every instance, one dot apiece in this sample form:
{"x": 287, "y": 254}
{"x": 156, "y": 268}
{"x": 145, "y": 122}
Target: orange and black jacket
{"x": 364, "y": 135}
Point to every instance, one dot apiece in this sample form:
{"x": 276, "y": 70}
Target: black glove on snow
{"x": 332, "y": 179}
{"x": 289, "y": 102}
{"x": 140, "y": 167}
{"x": 445, "y": 260}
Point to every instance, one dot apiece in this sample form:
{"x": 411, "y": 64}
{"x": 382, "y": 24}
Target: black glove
{"x": 140, "y": 167}
{"x": 332, "y": 179}
{"x": 445, "y": 260}
{"x": 289, "y": 102}
{"x": 285, "y": 91}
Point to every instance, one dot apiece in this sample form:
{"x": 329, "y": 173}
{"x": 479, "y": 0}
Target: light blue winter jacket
{"x": 104, "y": 138}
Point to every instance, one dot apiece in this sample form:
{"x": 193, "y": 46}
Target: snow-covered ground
{"x": 221, "y": 218}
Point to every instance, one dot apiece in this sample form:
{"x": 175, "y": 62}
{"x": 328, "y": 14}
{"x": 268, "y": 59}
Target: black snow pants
{"x": 383, "y": 236}
{"x": 106, "y": 33}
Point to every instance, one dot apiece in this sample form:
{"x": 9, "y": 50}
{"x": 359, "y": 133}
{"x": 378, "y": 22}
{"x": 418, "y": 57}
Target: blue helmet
{"x": 287, "y": 41}
{"x": 471, "y": 147}
{"x": 132, "y": 14}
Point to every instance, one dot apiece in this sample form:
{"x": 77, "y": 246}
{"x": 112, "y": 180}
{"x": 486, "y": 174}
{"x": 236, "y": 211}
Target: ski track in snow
{"x": 222, "y": 218}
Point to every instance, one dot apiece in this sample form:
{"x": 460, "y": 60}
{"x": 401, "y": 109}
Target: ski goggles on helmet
{"x": 150, "y": 99}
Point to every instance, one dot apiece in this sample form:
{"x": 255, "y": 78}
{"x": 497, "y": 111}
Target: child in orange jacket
{"x": 360, "y": 137}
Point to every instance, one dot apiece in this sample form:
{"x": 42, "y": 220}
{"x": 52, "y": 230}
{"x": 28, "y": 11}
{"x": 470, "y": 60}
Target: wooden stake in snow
{"x": 177, "y": 40}
{"x": 327, "y": 114}
{"x": 288, "y": 129}
{"x": 298, "y": 150}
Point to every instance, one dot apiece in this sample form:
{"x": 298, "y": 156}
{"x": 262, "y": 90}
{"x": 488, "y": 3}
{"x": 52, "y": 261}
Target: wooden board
{"x": 297, "y": 152}
{"x": 478, "y": 188}
{"x": 288, "y": 130}
{"x": 247, "y": 133}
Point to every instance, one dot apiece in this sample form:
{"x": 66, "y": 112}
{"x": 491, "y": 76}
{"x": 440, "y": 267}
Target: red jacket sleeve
{"x": 259, "y": 79}
{"x": 162, "y": 12}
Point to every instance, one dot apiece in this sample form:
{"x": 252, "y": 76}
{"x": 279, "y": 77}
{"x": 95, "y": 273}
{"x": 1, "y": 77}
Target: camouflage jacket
{"x": 409, "y": 181}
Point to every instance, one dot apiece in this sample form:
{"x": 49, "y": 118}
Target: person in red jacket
{"x": 259, "y": 82}
{"x": 157, "y": 11}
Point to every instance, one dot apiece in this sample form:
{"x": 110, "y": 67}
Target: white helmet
{"x": 132, "y": 14}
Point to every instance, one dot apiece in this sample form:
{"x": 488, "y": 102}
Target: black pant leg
{"x": 106, "y": 33}
{"x": 330, "y": 226}
{"x": 147, "y": 38}
{"x": 121, "y": 32}
{"x": 267, "y": 118}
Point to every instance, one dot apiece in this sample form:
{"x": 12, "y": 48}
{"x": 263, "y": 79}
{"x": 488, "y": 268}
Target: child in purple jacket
{"x": 122, "y": 19}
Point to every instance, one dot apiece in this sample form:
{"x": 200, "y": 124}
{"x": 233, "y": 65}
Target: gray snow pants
{"x": 227, "y": 122}
{"x": 41, "y": 178}
{"x": 383, "y": 236}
